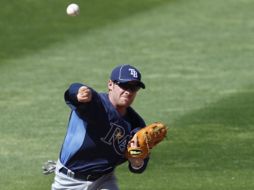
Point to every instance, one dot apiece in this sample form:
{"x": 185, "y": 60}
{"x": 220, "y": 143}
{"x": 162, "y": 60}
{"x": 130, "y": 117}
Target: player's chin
{"x": 126, "y": 102}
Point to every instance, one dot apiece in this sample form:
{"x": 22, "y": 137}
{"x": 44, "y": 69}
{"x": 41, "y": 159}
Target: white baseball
{"x": 72, "y": 9}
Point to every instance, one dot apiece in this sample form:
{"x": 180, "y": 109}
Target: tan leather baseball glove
{"x": 145, "y": 139}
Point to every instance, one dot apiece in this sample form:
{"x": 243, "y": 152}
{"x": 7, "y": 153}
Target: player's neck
{"x": 121, "y": 110}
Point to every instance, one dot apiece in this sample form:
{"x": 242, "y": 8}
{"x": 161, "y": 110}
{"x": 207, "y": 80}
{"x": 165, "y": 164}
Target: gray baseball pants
{"x": 64, "y": 182}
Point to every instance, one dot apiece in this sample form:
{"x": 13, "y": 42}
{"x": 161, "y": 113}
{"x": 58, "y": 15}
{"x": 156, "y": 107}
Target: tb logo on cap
{"x": 133, "y": 72}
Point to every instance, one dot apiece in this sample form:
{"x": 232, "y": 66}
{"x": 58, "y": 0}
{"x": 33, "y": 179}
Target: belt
{"x": 80, "y": 176}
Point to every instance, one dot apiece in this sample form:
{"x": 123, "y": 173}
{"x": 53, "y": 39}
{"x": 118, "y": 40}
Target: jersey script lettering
{"x": 116, "y": 137}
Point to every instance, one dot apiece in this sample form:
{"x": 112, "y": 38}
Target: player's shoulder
{"x": 105, "y": 100}
{"x": 104, "y": 97}
{"x": 132, "y": 112}
{"x": 135, "y": 118}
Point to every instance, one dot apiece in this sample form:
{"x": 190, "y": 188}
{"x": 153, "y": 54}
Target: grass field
{"x": 196, "y": 57}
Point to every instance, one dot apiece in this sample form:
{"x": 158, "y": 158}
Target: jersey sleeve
{"x": 70, "y": 95}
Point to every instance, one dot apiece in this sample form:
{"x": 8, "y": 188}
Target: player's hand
{"x": 134, "y": 142}
{"x": 84, "y": 94}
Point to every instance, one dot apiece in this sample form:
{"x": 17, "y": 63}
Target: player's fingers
{"x": 82, "y": 89}
{"x": 85, "y": 91}
{"x": 82, "y": 98}
{"x": 135, "y": 139}
{"x": 84, "y": 94}
{"x": 134, "y": 142}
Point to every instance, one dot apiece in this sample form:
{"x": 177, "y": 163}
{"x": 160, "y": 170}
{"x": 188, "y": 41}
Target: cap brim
{"x": 141, "y": 84}
{"x": 137, "y": 82}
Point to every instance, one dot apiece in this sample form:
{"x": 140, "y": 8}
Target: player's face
{"x": 123, "y": 94}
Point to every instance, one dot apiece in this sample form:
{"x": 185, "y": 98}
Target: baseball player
{"x": 99, "y": 129}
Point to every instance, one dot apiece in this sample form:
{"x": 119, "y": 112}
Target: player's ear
{"x": 110, "y": 85}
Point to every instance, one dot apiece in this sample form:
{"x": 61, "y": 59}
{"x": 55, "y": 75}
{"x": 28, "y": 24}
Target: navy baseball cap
{"x": 126, "y": 73}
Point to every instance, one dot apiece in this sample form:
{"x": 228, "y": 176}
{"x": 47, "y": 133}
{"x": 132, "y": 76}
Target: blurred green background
{"x": 196, "y": 57}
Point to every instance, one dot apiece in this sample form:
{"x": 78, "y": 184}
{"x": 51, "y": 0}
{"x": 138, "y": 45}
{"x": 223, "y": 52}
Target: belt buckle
{"x": 70, "y": 173}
